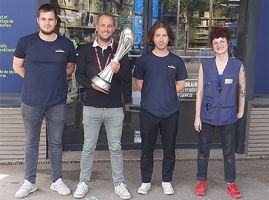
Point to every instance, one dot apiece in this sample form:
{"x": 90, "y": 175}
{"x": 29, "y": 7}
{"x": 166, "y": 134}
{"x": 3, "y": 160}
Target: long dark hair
{"x": 161, "y": 24}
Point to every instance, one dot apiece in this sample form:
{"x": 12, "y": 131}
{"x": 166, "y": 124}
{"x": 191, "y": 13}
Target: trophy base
{"x": 103, "y": 85}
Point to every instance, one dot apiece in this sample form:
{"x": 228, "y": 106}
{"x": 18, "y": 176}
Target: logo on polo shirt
{"x": 59, "y": 51}
{"x": 171, "y": 66}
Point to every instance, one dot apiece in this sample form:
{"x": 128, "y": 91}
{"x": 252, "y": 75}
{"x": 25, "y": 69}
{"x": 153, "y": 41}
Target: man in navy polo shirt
{"x": 43, "y": 60}
{"x": 160, "y": 76}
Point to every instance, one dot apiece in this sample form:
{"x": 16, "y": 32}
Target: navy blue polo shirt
{"x": 44, "y": 83}
{"x": 159, "y": 74}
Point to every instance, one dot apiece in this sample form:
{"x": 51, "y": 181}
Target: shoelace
{"x": 168, "y": 187}
{"x": 233, "y": 187}
{"x": 201, "y": 184}
{"x": 82, "y": 187}
{"x": 145, "y": 186}
{"x": 123, "y": 188}
{"x": 26, "y": 187}
{"x": 61, "y": 184}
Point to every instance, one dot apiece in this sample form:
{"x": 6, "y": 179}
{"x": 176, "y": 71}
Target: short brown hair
{"x": 219, "y": 32}
{"x": 161, "y": 24}
{"x": 47, "y": 8}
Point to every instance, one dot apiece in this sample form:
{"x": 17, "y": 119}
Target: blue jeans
{"x": 92, "y": 121}
{"x": 32, "y": 117}
{"x": 227, "y": 133}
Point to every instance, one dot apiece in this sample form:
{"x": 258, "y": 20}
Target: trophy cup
{"x": 103, "y": 79}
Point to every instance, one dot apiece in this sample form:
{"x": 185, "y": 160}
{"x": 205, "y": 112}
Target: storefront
{"x": 191, "y": 21}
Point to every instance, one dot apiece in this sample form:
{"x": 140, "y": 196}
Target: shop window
{"x": 191, "y": 21}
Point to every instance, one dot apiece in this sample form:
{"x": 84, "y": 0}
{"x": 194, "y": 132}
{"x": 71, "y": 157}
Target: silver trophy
{"x": 103, "y": 79}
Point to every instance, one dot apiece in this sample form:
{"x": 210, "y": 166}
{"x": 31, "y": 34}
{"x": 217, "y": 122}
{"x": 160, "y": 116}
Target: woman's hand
{"x": 197, "y": 124}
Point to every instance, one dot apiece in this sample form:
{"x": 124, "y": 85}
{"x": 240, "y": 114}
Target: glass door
{"x": 190, "y": 20}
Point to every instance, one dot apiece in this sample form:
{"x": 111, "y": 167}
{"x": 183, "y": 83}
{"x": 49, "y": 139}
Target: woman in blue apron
{"x": 217, "y": 108}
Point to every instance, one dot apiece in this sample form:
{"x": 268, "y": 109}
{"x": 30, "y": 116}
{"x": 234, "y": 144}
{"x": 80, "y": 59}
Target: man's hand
{"x": 240, "y": 115}
{"x": 96, "y": 88}
{"x": 115, "y": 66}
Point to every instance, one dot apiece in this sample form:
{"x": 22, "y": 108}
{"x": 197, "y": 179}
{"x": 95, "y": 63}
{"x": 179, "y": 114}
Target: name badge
{"x": 59, "y": 51}
{"x": 228, "y": 81}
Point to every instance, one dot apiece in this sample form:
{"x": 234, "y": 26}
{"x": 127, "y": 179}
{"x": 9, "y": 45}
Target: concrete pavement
{"x": 252, "y": 177}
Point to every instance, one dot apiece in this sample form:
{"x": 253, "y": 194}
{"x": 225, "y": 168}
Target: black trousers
{"x": 150, "y": 125}
{"x": 227, "y": 133}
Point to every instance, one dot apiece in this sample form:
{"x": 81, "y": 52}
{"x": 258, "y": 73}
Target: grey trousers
{"x": 92, "y": 121}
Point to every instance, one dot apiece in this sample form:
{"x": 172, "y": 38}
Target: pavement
{"x": 252, "y": 177}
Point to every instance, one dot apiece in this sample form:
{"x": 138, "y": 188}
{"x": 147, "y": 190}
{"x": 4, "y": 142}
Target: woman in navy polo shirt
{"x": 160, "y": 76}
{"x": 217, "y": 108}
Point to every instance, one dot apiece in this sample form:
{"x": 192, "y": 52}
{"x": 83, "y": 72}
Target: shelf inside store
{"x": 76, "y": 9}
{"x": 123, "y": 3}
{"x": 215, "y": 18}
{"x": 69, "y": 8}
{"x": 200, "y": 26}
{"x": 113, "y": 14}
{"x": 201, "y": 33}
{"x": 200, "y": 40}
{"x": 79, "y": 26}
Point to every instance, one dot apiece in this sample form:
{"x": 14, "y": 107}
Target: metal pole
{"x": 162, "y": 11}
{"x": 178, "y": 15}
{"x": 210, "y": 14}
{"x": 210, "y": 18}
{"x": 147, "y": 17}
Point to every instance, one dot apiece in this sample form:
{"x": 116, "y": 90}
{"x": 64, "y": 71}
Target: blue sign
{"x": 138, "y": 29}
{"x": 261, "y": 86}
{"x": 138, "y": 7}
{"x": 155, "y": 7}
{"x": 17, "y": 19}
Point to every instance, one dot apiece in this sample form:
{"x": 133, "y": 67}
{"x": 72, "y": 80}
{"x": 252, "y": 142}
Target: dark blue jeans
{"x": 227, "y": 133}
{"x": 32, "y": 117}
{"x": 150, "y": 126}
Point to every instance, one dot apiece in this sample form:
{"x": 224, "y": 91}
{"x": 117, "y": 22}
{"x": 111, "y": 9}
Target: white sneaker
{"x": 122, "y": 191}
{"x": 60, "y": 187}
{"x": 81, "y": 190}
{"x": 25, "y": 189}
{"x": 144, "y": 188}
{"x": 167, "y": 188}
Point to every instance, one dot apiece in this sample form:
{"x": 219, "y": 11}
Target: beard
{"x": 47, "y": 32}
